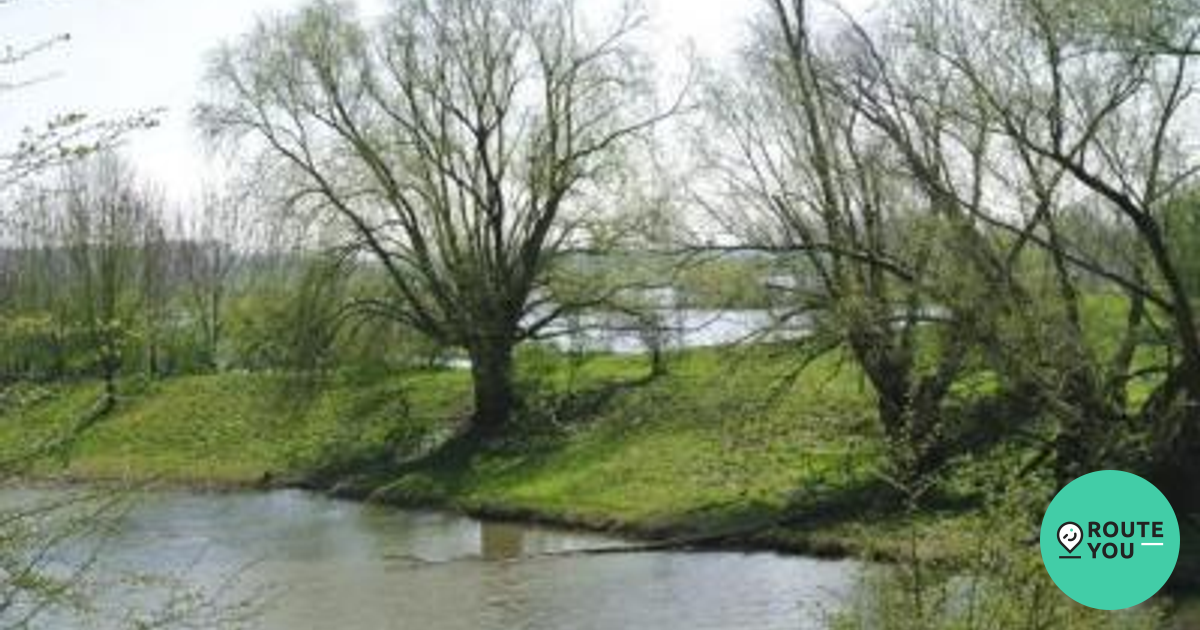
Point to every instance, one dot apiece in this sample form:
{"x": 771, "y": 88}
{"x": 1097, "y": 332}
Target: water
{"x": 331, "y": 564}
{"x": 676, "y": 328}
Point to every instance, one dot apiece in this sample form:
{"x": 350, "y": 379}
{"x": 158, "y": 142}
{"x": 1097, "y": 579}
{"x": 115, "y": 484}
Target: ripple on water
{"x": 342, "y": 565}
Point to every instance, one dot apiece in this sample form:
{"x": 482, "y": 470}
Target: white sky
{"x": 127, "y": 55}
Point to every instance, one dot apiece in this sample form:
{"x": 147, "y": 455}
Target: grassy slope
{"x": 225, "y": 429}
{"x": 726, "y": 435}
{"x": 703, "y": 449}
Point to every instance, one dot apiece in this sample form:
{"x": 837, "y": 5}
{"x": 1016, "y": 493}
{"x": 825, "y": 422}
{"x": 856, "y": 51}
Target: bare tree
{"x": 155, "y": 291}
{"x": 104, "y": 214}
{"x": 208, "y": 256}
{"x": 456, "y": 142}
{"x": 38, "y": 583}
{"x": 1088, "y": 105}
{"x": 830, "y": 161}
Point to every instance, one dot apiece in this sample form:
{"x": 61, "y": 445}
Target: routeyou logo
{"x": 1110, "y": 540}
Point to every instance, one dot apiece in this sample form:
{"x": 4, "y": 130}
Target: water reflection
{"x": 342, "y": 565}
{"x": 501, "y": 541}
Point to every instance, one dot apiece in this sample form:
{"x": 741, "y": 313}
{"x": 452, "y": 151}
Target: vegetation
{"x": 974, "y": 222}
{"x": 506, "y": 110}
{"x": 696, "y": 452}
{"x": 49, "y": 546}
{"x": 695, "y": 456}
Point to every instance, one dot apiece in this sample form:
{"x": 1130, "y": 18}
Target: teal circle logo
{"x": 1110, "y": 540}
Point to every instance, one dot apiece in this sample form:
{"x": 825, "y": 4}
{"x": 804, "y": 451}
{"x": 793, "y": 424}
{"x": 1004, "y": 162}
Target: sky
{"x": 129, "y": 55}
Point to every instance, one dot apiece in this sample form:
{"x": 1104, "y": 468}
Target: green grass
{"x": 730, "y": 440}
{"x": 726, "y": 438}
{"x": 223, "y": 429}
{"x": 700, "y": 447}
{"x": 727, "y": 441}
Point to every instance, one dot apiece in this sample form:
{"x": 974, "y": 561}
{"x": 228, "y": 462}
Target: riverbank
{"x": 730, "y": 447}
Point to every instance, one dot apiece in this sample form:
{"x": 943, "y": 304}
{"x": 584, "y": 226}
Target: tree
{"x": 1181, "y": 225}
{"x": 457, "y": 143}
{"x": 1087, "y": 103}
{"x": 154, "y": 276}
{"x": 209, "y": 257}
{"x": 104, "y": 214}
{"x": 65, "y": 136}
{"x": 37, "y": 581}
{"x": 828, "y": 160}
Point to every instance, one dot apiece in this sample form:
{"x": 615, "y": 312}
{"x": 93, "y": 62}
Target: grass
{"x": 728, "y": 441}
{"x": 226, "y": 429}
{"x": 701, "y": 447}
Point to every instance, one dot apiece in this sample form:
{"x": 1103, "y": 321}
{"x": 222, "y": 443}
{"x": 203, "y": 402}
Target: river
{"x": 319, "y": 563}
{"x": 676, "y": 328}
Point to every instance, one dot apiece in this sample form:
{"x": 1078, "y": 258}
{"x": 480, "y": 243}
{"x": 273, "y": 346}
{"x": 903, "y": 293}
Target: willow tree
{"x": 835, "y": 158}
{"x": 456, "y": 143}
{"x": 104, "y": 217}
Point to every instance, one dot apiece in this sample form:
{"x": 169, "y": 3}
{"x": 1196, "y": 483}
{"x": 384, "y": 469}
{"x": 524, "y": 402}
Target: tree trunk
{"x": 214, "y": 332}
{"x": 110, "y": 386}
{"x": 152, "y": 354}
{"x": 1080, "y": 447}
{"x": 1071, "y": 453}
{"x": 658, "y": 362}
{"x": 1174, "y": 470}
{"x": 492, "y": 378}
{"x": 911, "y": 425}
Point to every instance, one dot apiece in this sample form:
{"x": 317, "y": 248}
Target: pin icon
{"x": 1069, "y": 536}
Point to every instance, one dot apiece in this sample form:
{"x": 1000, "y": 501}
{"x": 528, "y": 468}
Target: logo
{"x": 1110, "y": 540}
{"x": 1070, "y": 535}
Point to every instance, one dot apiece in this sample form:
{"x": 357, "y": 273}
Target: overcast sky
{"x": 126, "y": 55}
